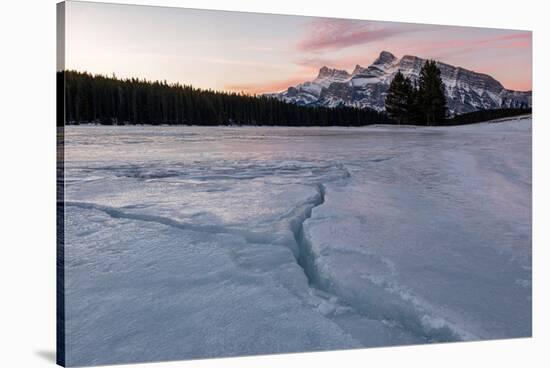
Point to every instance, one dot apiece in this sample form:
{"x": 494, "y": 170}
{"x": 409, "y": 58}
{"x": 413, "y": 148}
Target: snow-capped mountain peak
{"x": 366, "y": 87}
{"x": 385, "y": 57}
{"x": 335, "y": 74}
{"x": 358, "y": 70}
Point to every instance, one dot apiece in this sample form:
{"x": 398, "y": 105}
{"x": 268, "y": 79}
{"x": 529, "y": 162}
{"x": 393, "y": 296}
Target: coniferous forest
{"x": 486, "y": 115}
{"x": 110, "y": 100}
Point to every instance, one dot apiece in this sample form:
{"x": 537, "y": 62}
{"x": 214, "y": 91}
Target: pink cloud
{"x": 329, "y": 35}
{"x": 333, "y": 34}
{"x": 460, "y": 46}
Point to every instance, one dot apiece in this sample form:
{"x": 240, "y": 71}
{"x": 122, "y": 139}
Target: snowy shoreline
{"x": 515, "y": 118}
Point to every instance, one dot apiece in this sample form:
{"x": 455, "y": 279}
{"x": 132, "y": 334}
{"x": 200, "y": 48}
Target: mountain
{"x": 466, "y": 90}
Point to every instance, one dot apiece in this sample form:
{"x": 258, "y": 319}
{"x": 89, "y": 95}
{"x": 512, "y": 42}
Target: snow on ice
{"x": 193, "y": 242}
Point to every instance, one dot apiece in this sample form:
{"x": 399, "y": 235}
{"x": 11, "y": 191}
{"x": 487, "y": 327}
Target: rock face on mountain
{"x": 466, "y": 90}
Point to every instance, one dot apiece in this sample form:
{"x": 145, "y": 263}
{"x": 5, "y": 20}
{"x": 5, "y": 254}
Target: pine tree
{"x": 399, "y": 99}
{"x": 431, "y": 94}
{"x": 416, "y": 115}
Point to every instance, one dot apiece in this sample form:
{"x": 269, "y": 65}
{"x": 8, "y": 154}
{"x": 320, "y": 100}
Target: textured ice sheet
{"x": 191, "y": 242}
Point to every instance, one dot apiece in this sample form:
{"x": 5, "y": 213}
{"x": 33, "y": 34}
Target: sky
{"x": 257, "y": 53}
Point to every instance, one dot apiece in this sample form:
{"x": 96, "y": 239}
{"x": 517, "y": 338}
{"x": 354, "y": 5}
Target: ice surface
{"x": 192, "y": 242}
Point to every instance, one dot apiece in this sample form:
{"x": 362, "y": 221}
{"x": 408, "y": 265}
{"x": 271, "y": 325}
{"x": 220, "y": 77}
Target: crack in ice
{"x": 116, "y": 213}
{"x": 305, "y": 258}
{"x": 441, "y": 330}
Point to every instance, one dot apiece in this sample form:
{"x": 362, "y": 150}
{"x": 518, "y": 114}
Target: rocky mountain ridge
{"x": 366, "y": 87}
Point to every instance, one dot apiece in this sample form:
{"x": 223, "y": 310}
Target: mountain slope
{"x": 466, "y": 90}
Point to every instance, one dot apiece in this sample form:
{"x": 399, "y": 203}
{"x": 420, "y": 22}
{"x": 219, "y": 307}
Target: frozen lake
{"x": 193, "y": 242}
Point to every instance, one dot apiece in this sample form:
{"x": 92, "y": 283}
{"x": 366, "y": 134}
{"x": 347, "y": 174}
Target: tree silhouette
{"x": 433, "y": 103}
{"x": 109, "y": 100}
{"x": 399, "y": 99}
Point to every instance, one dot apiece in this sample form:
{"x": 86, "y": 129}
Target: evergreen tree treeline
{"x": 486, "y": 115}
{"x": 424, "y": 104}
{"x": 109, "y": 100}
